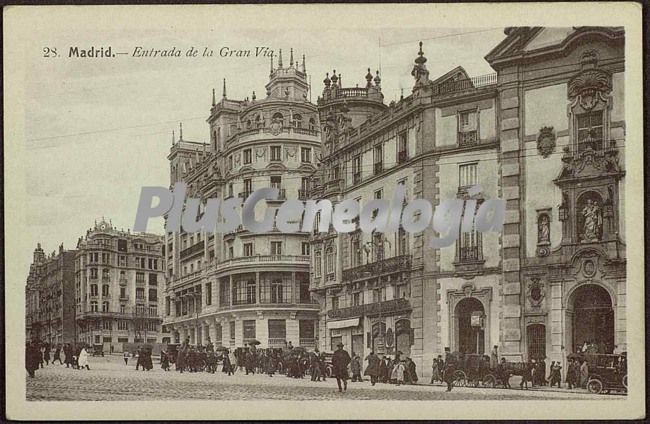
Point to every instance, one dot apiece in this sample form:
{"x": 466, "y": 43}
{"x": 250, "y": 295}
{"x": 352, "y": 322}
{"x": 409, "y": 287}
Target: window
{"x": 224, "y": 293}
{"x": 378, "y": 159}
{"x": 317, "y": 264}
{"x": 277, "y": 330}
{"x": 93, "y": 290}
{"x": 402, "y": 148}
{"x": 336, "y": 172}
{"x": 244, "y": 291}
{"x": 107, "y": 324}
{"x": 122, "y": 325}
{"x": 356, "y": 169}
{"x": 231, "y": 190}
{"x": 305, "y": 248}
{"x": 122, "y": 260}
{"x": 231, "y": 252}
{"x": 276, "y": 153}
{"x": 121, "y": 245}
{"x": 312, "y": 124}
{"x": 153, "y": 295}
{"x": 153, "y": 279}
{"x": 355, "y": 247}
{"x": 329, "y": 261}
{"x": 276, "y": 182}
{"x": 248, "y": 249}
{"x": 122, "y": 292}
{"x": 379, "y": 295}
{"x": 276, "y": 248}
{"x": 297, "y": 121}
{"x": 139, "y": 293}
{"x": 167, "y": 305}
{"x": 139, "y": 277}
{"x": 208, "y": 294}
{"x": 357, "y": 299}
{"x": 306, "y": 330}
{"x": 93, "y": 273}
{"x": 467, "y": 128}
{"x": 335, "y": 303}
{"x": 248, "y": 188}
{"x": 590, "y": 131}
{"x": 105, "y": 289}
{"x": 122, "y": 308}
{"x": 467, "y": 175}
{"x": 276, "y": 292}
{"x": 248, "y": 157}
{"x": 305, "y": 154}
{"x": 153, "y": 310}
{"x": 469, "y": 243}
{"x": 104, "y": 306}
{"x": 93, "y": 306}
{"x": 401, "y": 291}
{"x": 249, "y": 330}
{"x": 402, "y": 242}
{"x": 377, "y": 246}
{"x": 305, "y": 294}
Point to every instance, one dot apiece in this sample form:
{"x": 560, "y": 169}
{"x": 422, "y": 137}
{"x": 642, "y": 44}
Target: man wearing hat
{"x": 340, "y": 361}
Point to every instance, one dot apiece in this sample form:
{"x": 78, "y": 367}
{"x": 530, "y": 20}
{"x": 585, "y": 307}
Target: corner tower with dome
{"x": 238, "y": 287}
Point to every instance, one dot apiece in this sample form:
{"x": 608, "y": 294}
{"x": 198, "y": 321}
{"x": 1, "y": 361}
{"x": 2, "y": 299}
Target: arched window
{"x": 258, "y": 121}
{"x": 277, "y": 117}
{"x": 297, "y": 121}
{"x": 248, "y": 124}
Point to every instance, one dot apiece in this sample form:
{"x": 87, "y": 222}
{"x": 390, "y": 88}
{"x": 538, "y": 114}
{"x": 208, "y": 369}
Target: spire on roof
{"x": 304, "y": 68}
{"x": 181, "y": 131}
{"x": 280, "y": 60}
{"x": 224, "y": 89}
{"x": 214, "y": 101}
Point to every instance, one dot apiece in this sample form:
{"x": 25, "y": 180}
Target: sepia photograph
{"x": 203, "y": 215}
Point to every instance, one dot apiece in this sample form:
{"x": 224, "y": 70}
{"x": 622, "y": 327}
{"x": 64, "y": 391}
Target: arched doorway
{"x": 593, "y": 317}
{"x": 403, "y": 337}
{"x": 470, "y": 326}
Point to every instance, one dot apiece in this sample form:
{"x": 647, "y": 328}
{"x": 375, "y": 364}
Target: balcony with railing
{"x": 467, "y": 138}
{"x": 192, "y": 250}
{"x": 277, "y": 342}
{"x": 282, "y": 195}
{"x": 307, "y": 343}
{"x": 373, "y": 269}
{"x": 378, "y": 308}
{"x": 467, "y": 84}
{"x": 333, "y": 186}
{"x": 263, "y": 259}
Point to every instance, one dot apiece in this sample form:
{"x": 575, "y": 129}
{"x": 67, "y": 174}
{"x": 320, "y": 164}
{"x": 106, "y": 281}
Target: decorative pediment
{"x": 590, "y": 163}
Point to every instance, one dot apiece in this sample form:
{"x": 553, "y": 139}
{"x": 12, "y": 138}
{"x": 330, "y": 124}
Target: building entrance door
{"x": 536, "y": 336}
{"x": 469, "y": 338}
{"x": 593, "y": 317}
{"x": 357, "y": 345}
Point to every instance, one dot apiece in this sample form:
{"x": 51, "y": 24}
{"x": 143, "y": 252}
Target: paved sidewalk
{"x": 110, "y": 379}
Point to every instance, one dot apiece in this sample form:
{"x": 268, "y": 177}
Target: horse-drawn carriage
{"x": 98, "y": 350}
{"x": 474, "y": 370}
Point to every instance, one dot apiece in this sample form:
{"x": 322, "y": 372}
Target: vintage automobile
{"x": 473, "y": 369}
{"x": 607, "y": 372}
{"x": 98, "y": 350}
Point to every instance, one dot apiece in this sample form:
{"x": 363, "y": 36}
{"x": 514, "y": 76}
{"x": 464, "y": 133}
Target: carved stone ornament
{"x": 535, "y": 292}
{"x": 589, "y": 86}
{"x": 290, "y": 151}
{"x": 546, "y": 141}
{"x": 276, "y": 126}
{"x": 260, "y": 152}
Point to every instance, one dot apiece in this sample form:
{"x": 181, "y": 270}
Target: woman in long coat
{"x": 374, "y": 367}
{"x": 398, "y": 372}
{"x": 584, "y": 374}
{"x": 83, "y": 358}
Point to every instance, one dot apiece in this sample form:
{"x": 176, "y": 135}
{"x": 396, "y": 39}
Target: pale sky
{"x": 98, "y": 130}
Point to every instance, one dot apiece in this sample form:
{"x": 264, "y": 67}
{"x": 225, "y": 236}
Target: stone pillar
{"x": 293, "y": 331}
{"x": 513, "y": 239}
{"x": 257, "y": 288}
{"x": 557, "y": 323}
{"x": 620, "y": 329}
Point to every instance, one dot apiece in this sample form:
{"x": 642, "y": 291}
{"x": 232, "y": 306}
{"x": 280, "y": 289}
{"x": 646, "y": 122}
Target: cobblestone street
{"x": 110, "y": 379}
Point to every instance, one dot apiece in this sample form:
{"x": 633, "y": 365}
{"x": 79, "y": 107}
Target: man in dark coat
{"x": 527, "y": 374}
{"x": 503, "y": 373}
{"x": 340, "y": 361}
{"x": 450, "y": 369}
{"x": 32, "y": 358}
{"x": 412, "y": 372}
{"x": 383, "y": 370}
{"x": 374, "y": 368}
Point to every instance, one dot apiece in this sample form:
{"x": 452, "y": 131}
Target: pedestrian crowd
{"x": 42, "y": 354}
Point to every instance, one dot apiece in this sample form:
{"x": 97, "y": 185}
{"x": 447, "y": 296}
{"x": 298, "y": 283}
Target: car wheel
{"x": 594, "y": 386}
{"x": 489, "y": 381}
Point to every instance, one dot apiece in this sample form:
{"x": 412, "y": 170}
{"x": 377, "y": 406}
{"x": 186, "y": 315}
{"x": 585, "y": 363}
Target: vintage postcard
{"x": 324, "y": 211}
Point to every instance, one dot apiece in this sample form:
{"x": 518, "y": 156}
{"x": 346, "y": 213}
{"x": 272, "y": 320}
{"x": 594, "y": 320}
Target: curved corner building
{"x": 240, "y": 286}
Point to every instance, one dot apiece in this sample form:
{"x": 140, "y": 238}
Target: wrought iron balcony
{"x": 394, "y": 264}
{"x": 378, "y": 308}
{"x": 467, "y": 138}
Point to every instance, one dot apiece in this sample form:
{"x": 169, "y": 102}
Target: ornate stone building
{"x": 241, "y": 286}
{"x": 49, "y": 297}
{"x": 119, "y": 278}
{"x": 546, "y": 134}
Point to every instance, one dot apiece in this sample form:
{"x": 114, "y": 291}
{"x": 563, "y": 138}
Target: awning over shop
{"x": 343, "y": 323}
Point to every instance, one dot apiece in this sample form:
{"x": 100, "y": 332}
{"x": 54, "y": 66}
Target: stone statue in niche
{"x": 593, "y": 223}
{"x": 543, "y": 229}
